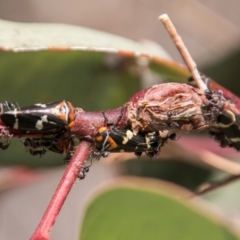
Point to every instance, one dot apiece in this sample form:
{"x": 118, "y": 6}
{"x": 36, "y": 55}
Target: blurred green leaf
{"x": 189, "y": 176}
{"x": 139, "y": 211}
{"x": 80, "y": 77}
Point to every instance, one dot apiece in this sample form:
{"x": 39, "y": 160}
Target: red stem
{"x": 87, "y": 123}
{"x": 65, "y": 185}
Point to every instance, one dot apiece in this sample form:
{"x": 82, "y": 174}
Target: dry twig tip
{"x": 183, "y": 50}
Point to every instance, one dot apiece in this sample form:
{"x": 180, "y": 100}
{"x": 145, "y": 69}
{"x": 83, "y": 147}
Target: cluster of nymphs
{"x": 226, "y": 127}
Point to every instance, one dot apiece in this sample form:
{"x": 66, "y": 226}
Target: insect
{"x": 115, "y": 139}
{"x": 4, "y": 145}
{"x": 85, "y": 169}
{"x": 214, "y": 86}
{"x": 36, "y": 152}
{"x": 226, "y": 131}
{"x": 40, "y": 117}
{"x": 63, "y": 144}
{"x": 4, "y": 133}
{"x": 82, "y": 174}
{"x": 7, "y": 105}
{"x": 226, "y": 128}
{"x": 36, "y": 146}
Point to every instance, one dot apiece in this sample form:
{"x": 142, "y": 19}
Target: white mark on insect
{"x": 14, "y": 113}
{"x": 147, "y": 142}
{"x": 41, "y": 105}
{"x": 39, "y": 125}
{"x": 44, "y": 118}
{"x": 129, "y": 136}
{"x": 15, "y": 126}
{"x": 125, "y": 140}
{"x": 234, "y": 140}
{"x": 65, "y": 110}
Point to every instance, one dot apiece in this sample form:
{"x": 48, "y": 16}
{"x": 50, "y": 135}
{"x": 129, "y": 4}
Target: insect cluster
{"x": 225, "y": 129}
{"x": 152, "y": 116}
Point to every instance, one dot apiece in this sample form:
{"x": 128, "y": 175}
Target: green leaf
{"x": 20, "y": 37}
{"x": 140, "y": 211}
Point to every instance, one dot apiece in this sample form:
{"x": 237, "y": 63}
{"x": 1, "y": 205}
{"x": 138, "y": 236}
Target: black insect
{"x": 115, "y": 139}
{"x": 39, "y": 117}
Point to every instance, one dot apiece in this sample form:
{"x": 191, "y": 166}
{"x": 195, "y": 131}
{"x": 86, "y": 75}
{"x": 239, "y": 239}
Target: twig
{"x": 206, "y": 188}
{"x": 192, "y": 66}
{"x": 220, "y": 163}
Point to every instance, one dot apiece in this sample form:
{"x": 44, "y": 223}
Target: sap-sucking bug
{"x": 40, "y": 117}
{"x": 123, "y": 140}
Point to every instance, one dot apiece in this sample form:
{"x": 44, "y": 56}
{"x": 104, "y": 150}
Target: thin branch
{"x": 192, "y": 66}
{"x": 220, "y": 163}
{"x": 65, "y": 185}
{"x": 206, "y": 188}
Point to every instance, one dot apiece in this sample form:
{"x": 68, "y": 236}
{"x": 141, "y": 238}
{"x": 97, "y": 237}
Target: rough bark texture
{"x": 170, "y": 106}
